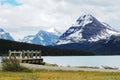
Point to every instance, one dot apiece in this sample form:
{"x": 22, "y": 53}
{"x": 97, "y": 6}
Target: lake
{"x": 98, "y": 61}
{"x": 95, "y": 61}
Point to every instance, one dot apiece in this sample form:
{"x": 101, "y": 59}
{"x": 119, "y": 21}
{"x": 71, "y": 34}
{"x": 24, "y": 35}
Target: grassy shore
{"x": 59, "y": 75}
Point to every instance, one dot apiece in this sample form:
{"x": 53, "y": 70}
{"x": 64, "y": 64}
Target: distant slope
{"x": 6, "y": 45}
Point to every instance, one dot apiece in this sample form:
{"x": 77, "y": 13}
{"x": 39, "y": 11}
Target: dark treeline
{"x": 6, "y": 45}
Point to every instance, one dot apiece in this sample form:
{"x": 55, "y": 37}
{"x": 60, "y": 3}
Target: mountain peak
{"x": 85, "y": 19}
{"x": 5, "y": 35}
{"x": 86, "y": 16}
{"x": 88, "y": 28}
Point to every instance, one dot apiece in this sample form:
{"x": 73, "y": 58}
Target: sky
{"x": 26, "y": 17}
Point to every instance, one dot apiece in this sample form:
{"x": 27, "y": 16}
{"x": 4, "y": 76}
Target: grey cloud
{"x": 103, "y": 3}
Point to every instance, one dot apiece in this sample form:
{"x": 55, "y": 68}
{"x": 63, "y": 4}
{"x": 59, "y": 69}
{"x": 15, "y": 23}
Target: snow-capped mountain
{"x": 48, "y": 37}
{"x": 87, "y": 28}
{"x": 4, "y": 35}
{"x": 45, "y": 38}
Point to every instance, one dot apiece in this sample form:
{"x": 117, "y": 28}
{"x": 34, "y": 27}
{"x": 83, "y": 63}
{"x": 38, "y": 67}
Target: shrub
{"x": 13, "y": 65}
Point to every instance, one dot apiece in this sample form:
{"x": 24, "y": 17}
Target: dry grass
{"x": 13, "y": 65}
{"x": 59, "y": 75}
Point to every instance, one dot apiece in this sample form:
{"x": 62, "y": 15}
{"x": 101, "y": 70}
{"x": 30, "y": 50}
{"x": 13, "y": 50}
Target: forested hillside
{"x": 6, "y": 45}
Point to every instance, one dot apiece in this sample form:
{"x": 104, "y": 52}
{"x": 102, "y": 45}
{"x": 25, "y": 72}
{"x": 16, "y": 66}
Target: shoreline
{"x": 64, "y": 68}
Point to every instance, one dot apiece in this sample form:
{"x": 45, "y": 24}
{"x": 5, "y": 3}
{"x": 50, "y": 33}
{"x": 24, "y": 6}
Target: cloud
{"x": 102, "y": 3}
{"x": 31, "y": 16}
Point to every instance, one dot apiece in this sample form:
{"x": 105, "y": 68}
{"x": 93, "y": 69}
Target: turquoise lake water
{"x": 98, "y": 61}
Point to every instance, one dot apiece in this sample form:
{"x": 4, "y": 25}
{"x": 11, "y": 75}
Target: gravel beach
{"x": 34, "y": 66}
